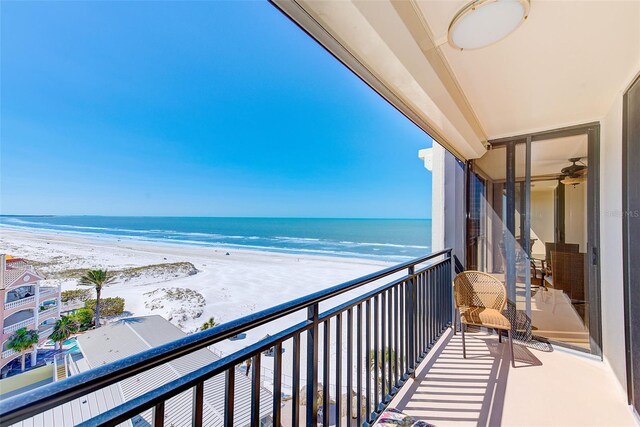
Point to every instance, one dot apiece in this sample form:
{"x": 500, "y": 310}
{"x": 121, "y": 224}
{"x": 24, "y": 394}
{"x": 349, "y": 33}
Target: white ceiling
{"x": 563, "y": 65}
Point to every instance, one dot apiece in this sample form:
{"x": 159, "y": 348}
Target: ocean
{"x": 380, "y": 239}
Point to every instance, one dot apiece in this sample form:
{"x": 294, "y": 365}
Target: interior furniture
{"x": 479, "y": 300}
{"x": 568, "y": 274}
{"x": 537, "y": 273}
{"x": 558, "y": 247}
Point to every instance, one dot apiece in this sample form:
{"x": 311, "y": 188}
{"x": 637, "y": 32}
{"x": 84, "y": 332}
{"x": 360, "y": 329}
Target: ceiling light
{"x": 483, "y": 22}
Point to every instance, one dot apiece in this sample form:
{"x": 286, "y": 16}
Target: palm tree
{"x": 63, "y": 329}
{"x": 22, "y": 341}
{"x": 209, "y": 324}
{"x": 97, "y": 279}
{"x": 384, "y": 356}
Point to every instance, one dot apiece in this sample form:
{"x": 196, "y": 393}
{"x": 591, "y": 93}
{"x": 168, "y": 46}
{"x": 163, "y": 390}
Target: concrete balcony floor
{"x": 557, "y": 388}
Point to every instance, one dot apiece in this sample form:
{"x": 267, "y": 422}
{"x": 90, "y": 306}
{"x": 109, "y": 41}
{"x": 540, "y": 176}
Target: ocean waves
{"x": 392, "y": 240}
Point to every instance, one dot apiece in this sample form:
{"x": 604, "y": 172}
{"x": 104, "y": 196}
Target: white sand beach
{"x": 232, "y": 286}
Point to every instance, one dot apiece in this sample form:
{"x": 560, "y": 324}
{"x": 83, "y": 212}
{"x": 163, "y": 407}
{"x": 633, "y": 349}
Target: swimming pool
{"x": 70, "y": 345}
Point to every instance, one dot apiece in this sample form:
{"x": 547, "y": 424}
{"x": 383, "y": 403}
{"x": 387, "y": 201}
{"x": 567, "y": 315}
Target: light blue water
{"x": 65, "y": 343}
{"x": 385, "y": 239}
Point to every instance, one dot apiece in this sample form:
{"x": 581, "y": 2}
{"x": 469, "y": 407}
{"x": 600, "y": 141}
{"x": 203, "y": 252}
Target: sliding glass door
{"x": 539, "y": 223}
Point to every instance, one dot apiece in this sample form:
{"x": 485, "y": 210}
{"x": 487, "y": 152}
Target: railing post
{"x": 198, "y": 404}
{"x": 229, "y": 397}
{"x": 158, "y": 415}
{"x": 452, "y": 274}
{"x": 411, "y": 327}
{"x": 255, "y": 389}
{"x": 295, "y": 383}
{"x": 312, "y": 366}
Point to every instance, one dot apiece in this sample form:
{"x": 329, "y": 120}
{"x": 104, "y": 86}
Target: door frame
{"x": 592, "y": 130}
{"x": 627, "y": 172}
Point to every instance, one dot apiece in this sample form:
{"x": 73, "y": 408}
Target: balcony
{"x": 44, "y": 331}
{"x": 20, "y": 302}
{"x": 354, "y": 349}
{"x": 48, "y": 311}
{"x": 556, "y": 387}
{"x": 8, "y": 353}
{"x": 20, "y": 296}
{"x": 15, "y": 326}
{"x": 18, "y": 320}
{"x": 48, "y": 290}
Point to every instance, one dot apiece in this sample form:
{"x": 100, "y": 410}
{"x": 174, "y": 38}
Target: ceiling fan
{"x": 574, "y": 174}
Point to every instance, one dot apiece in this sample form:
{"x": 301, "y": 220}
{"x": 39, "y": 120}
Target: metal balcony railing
{"x": 389, "y": 329}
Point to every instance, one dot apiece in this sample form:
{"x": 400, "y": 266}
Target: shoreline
{"x": 310, "y": 253}
{"x": 232, "y": 286}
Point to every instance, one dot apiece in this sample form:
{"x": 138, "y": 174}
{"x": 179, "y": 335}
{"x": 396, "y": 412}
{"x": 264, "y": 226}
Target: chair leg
{"x": 455, "y": 318}
{"x": 513, "y": 360}
{"x": 464, "y": 348}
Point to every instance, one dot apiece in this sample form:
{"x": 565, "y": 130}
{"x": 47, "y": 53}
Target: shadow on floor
{"x": 451, "y": 390}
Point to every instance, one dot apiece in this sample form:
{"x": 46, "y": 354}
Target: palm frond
{"x": 96, "y": 279}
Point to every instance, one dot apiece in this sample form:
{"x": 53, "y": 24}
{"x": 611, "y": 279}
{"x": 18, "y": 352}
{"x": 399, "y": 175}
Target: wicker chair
{"x": 480, "y": 299}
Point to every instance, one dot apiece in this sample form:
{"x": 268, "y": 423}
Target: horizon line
{"x": 208, "y": 216}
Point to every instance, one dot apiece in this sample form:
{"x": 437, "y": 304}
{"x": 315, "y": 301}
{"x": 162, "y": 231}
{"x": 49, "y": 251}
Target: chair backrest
{"x": 568, "y": 274}
{"x": 478, "y": 289}
{"x": 560, "y": 247}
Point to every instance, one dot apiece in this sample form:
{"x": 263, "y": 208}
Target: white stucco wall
{"x": 575, "y": 215}
{"x": 613, "y": 341}
{"x": 447, "y": 214}
{"x": 542, "y": 218}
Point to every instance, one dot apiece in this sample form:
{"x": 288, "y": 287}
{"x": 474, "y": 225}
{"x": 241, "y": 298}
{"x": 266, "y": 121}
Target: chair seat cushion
{"x": 481, "y": 316}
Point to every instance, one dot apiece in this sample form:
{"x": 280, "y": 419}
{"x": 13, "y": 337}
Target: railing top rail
{"x": 35, "y": 401}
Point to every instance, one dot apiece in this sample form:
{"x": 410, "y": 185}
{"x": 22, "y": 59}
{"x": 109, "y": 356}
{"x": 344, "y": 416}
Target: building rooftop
{"x": 12, "y": 269}
{"x": 133, "y": 335}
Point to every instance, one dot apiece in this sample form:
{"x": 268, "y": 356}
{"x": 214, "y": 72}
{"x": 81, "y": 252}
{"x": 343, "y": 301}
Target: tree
{"x": 75, "y": 295}
{"x": 84, "y": 317}
{"x": 208, "y": 324}
{"x": 108, "y": 306}
{"x": 97, "y": 279}
{"x": 384, "y": 356}
{"x": 22, "y": 341}
{"x": 63, "y": 329}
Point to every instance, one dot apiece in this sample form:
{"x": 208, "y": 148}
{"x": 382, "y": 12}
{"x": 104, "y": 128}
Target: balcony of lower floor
{"x": 45, "y": 328}
{"x": 48, "y": 309}
{"x": 48, "y": 291}
{"x": 19, "y": 297}
{"x": 19, "y": 319}
{"x": 8, "y": 353}
{"x": 24, "y": 296}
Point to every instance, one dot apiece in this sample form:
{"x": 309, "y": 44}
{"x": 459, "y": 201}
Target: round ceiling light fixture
{"x": 484, "y": 22}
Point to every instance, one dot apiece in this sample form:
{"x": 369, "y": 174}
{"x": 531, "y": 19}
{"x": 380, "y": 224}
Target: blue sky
{"x": 203, "y": 108}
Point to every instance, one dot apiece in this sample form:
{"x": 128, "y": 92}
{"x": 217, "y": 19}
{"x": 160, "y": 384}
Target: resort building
{"x": 534, "y": 109}
{"x": 25, "y": 304}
